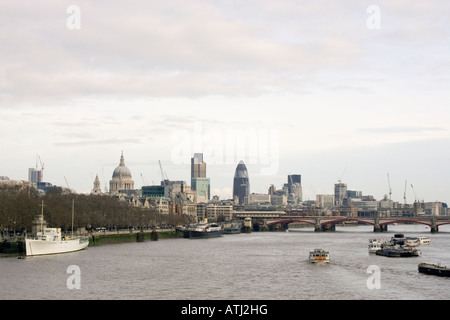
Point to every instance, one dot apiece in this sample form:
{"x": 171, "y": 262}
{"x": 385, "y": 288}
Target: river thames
{"x": 256, "y": 266}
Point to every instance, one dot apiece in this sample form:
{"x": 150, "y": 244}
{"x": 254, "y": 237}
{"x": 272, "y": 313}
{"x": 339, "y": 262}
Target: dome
{"x": 122, "y": 170}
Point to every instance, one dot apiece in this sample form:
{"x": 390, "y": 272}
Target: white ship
{"x": 50, "y": 241}
{"x": 375, "y": 245}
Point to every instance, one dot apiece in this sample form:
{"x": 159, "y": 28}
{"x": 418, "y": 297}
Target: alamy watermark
{"x": 373, "y": 22}
{"x": 74, "y": 280}
{"x": 74, "y": 20}
{"x": 374, "y": 281}
{"x": 258, "y": 146}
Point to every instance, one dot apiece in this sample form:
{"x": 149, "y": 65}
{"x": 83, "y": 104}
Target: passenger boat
{"x": 412, "y": 242}
{"x": 319, "y": 256}
{"x": 433, "y": 269}
{"x": 424, "y": 240}
{"x": 398, "y": 251}
{"x": 375, "y": 245}
{"x": 50, "y": 241}
{"x": 205, "y": 230}
{"x": 234, "y": 229}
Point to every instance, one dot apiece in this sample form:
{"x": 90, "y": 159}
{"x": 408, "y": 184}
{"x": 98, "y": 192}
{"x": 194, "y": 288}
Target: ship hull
{"x": 39, "y": 247}
{"x": 204, "y": 234}
{"x": 434, "y": 270}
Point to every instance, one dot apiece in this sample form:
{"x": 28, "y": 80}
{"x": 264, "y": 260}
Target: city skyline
{"x": 331, "y": 91}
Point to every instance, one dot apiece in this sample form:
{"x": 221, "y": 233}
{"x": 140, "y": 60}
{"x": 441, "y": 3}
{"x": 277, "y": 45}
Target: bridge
{"x": 325, "y": 223}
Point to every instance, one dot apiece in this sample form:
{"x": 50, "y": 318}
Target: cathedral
{"x": 121, "y": 178}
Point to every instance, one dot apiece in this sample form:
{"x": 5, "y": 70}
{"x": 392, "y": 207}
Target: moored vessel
{"x": 398, "y": 251}
{"x": 50, "y": 241}
{"x": 375, "y": 245}
{"x": 433, "y": 269}
{"x": 205, "y": 230}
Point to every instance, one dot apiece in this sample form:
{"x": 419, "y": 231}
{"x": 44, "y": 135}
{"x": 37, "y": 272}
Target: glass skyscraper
{"x": 241, "y": 184}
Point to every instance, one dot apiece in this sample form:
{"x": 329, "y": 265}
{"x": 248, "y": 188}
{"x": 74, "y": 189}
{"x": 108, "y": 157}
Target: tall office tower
{"x": 241, "y": 184}
{"x": 199, "y": 182}
{"x": 295, "y": 187}
{"x": 198, "y": 169}
{"x": 340, "y": 193}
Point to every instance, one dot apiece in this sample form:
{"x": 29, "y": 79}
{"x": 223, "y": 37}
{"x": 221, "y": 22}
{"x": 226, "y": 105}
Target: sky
{"x": 351, "y": 91}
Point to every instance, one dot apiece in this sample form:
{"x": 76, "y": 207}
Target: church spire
{"x": 122, "y": 161}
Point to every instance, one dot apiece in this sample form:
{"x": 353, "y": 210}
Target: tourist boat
{"x": 375, "y": 245}
{"x": 398, "y": 251}
{"x": 50, "y": 241}
{"x": 234, "y": 229}
{"x": 205, "y": 230}
{"x": 424, "y": 240}
{"x": 433, "y": 269}
{"x": 412, "y": 242}
{"x": 319, "y": 256}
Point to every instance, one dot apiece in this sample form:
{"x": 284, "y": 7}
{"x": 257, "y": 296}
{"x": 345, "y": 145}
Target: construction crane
{"x": 404, "y": 193}
{"x": 143, "y": 180}
{"x": 415, "y": 196}
{"x": 164, "y": 176}
{"x": 42, "y": 167}
{"x": 390, "y": 189}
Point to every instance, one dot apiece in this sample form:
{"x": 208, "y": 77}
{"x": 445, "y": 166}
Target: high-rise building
{"x": 340, "y": 193}
{"x": 199, "y": 182}
{"x": 241, "y": 183}
{"x": 198, "y": 168}
{"x": 34, "y": 175}
{"x": 294, "y": 185}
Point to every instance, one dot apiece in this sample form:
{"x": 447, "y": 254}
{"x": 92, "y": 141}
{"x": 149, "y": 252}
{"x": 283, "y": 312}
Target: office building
{"x": 241, "y": 183}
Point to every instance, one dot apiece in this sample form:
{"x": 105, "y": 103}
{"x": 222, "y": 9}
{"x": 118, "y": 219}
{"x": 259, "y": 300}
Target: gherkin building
{"x": 241, "y": 184}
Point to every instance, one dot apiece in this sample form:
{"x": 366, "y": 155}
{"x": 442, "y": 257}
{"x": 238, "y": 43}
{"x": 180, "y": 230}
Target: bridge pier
{"x": 378, "y": 228}
{"x": 434, "y": 227}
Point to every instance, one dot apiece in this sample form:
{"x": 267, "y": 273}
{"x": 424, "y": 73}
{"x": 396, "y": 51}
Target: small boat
{"x": 433, "y": 269}
{"x": 319, "y": 256}
{"x": 424, "y": 240}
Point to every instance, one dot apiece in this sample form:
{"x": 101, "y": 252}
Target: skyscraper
{"x": 241, "y": 183}
{"x": 199, "y": 182}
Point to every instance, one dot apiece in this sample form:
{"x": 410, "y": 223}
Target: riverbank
{"x": 100, "y": 238}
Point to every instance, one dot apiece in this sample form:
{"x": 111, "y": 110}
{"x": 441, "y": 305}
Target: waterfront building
{"x": 241, "y": 183}
{"x": 121, "y": 179}
{"x": 324, "y": 201}
{"x": 214, "y": 212}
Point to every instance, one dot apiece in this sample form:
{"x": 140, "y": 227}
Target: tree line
{"x": 20, "y": 206}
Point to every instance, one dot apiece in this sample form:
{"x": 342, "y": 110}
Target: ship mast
{"x": 73, "y": 201}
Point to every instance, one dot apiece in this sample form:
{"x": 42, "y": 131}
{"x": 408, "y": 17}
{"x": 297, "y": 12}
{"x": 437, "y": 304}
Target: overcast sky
{"x": 350, "y": 90}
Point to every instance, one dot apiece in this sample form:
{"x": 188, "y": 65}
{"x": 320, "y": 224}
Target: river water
{"x": 256, "y": 266}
